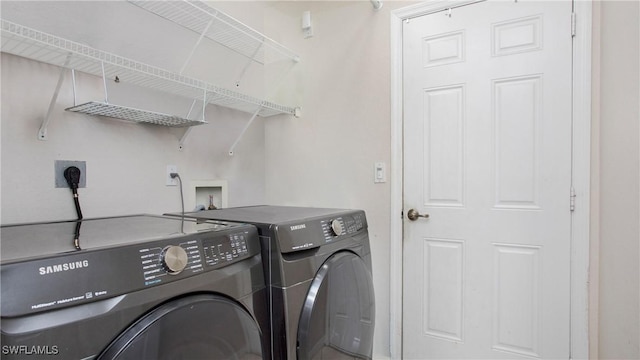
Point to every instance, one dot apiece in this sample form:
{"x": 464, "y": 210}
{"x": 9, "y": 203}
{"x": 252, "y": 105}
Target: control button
{"x": 336, "y": 227}
{"x": 174, "y": 259}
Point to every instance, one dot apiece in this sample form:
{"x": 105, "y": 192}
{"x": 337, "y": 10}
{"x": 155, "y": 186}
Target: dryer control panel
{"x": 312, "y": 233}
{"x": 343, "y": 225}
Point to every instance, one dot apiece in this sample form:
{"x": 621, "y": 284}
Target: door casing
{"x": 581, "y": 170}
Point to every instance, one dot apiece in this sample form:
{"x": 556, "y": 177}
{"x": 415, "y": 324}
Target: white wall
{"x": 326, "y": 158}
{"x": 126, "y": 163}
{"x": 618, "y": 180}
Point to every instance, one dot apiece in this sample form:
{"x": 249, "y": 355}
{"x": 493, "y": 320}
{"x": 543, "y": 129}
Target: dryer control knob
{"x": 336, "y": 227}
{"x": 174, "y": 259}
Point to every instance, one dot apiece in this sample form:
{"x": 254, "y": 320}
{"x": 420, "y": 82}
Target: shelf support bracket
{"x": 255, "y": 114}
{"x": 42, "y": 132}
{"x": 246, "y": 66}
{"x": 184, "y": 138}
{"x": 244, "y": 130}
{"x": 186, "y": 133}
{"x": 73, "y": 83}
{"x": 193, "y": 50}
{"x": 104, "y": 83}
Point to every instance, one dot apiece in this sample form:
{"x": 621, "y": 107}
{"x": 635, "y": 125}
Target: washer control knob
{"x": 336, "y": 227}
{"x": 174, "y": 259}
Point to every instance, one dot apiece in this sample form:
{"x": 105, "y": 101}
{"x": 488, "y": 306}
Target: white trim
{"x": 581, "y": 171}
{"x": 428, "y": 7}
{"x": 396, "y": 179}
{"x": 594, "y": 218}
{"x": 581, "y": 163}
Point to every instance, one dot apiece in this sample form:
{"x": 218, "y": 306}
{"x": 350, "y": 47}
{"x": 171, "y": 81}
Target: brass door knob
{"x": 413, "y": 215}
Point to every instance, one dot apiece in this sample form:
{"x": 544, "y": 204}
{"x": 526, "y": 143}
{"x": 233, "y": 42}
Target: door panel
{"x": 444, "y": 270}
{"x": 487, "y": 154}
{"x": 444, "y": 146}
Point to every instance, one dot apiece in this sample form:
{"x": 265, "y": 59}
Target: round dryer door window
{"x": 194, "y": 327}
{"x": 337, "y": 319}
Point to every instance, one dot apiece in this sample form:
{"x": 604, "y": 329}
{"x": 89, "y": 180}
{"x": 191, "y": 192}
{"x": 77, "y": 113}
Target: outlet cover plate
{"x": 61, "y": 165}
{"x": 171, "y": 181}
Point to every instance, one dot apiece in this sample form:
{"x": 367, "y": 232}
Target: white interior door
{"x": 487, "y": 154}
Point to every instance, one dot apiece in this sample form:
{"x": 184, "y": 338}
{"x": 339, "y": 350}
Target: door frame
{"x": 581, "y": 167}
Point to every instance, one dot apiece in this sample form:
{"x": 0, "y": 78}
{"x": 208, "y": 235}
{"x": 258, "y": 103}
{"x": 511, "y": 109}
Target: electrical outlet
{"x": 61, "y": 165}
{"x": 171, "y": 181}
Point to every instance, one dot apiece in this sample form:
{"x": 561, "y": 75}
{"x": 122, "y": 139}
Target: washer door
{"x": 194, "y": 327}
{"x": 337, "y": 319}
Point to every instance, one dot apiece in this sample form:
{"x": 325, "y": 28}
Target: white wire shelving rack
{"x": 213, "y": 25}
{"x": 37, "y": 45}
{"x": 217, "y": 26}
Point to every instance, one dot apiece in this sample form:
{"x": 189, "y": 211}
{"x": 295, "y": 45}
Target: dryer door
{"x": 337, "y": 319}
{"x": 194, "y": 327}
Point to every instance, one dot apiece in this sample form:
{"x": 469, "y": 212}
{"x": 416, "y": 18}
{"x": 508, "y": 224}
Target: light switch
{"x": 380, "y": 173}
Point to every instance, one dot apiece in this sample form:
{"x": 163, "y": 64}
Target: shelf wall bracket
{"x": 195, "y": 46}
{"x": 184, "y": 138}
{"x": 42, "y": 132}
{"x": 249, "y": 62}
{"x": 186, "y": 133}
{"x": 255, "y": 114}
{"x": 104, "y": 83}
{"x": 73, "y": 83}
{"x": 244, "y": 130}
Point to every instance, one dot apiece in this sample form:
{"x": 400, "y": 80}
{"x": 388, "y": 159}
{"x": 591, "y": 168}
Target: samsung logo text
{"x": 298, "y": 227}
{"x": 44, "y": 270}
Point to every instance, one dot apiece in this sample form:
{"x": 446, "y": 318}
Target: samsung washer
{"x": 318, "y": 268}
{"x": 133, "y": 287}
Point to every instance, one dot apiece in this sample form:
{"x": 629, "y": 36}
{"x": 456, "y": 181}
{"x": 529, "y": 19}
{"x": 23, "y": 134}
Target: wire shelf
{"x": 36, "y": 45}
{"x": 133, "y": 115}
{"x": 217, "y": 26}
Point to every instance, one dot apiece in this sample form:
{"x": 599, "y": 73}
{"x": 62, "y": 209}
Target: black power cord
{"x": 173, "y": 176}
{"x": 72, "y": 175}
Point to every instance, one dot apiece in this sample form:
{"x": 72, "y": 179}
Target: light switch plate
{"x": 380, "y": 172}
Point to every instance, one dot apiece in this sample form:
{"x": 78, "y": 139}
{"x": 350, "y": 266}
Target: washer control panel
{"x": 174, "y": 259}
{"x": 222, "y": 252}
{"x": 76, "y": 277}
{"x": 161, "y": 263}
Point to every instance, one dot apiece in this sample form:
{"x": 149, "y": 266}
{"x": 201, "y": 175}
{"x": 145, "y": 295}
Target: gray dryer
{"x": 318, "y": 268}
